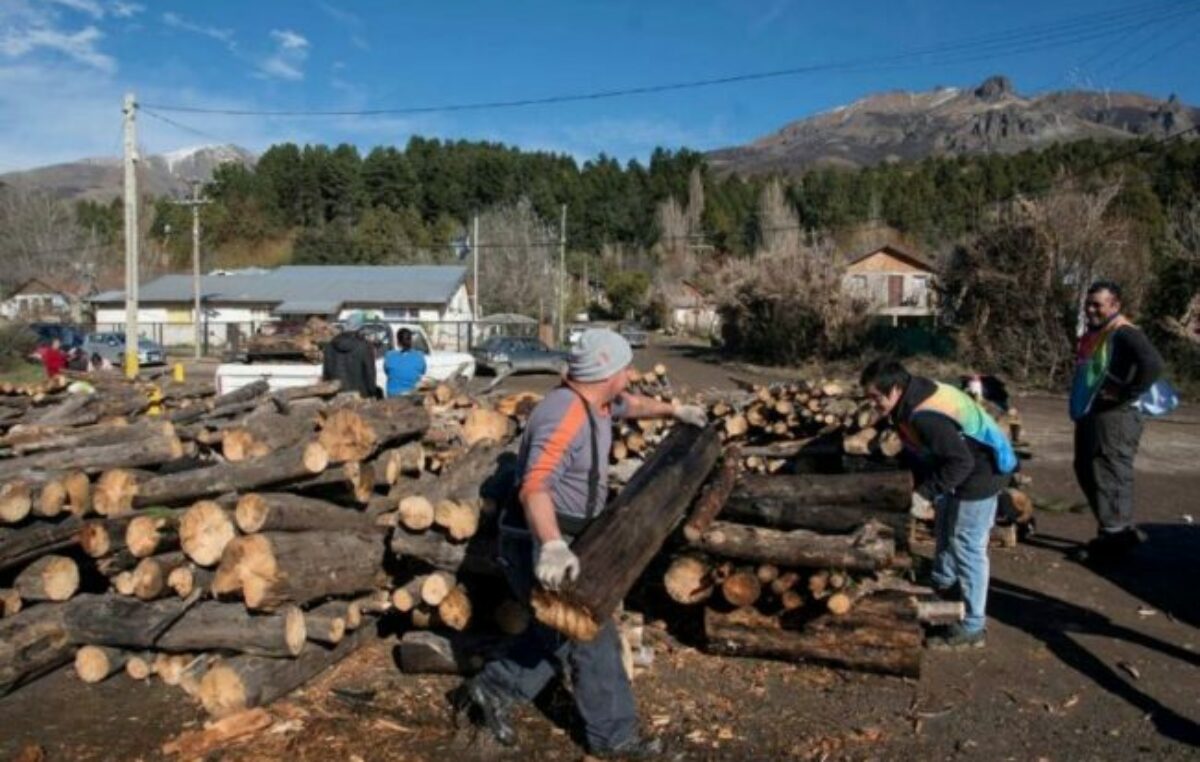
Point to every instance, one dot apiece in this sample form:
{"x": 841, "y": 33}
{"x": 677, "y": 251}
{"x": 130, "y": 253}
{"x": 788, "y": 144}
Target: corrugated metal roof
{"x": 346, "y": 285}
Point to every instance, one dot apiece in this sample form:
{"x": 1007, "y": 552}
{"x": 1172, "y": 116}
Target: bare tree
{"x": 517, "y": 261}
{"x": 40, "y": 237}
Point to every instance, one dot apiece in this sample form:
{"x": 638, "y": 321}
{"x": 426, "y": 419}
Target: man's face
{"x": 884, "y": 402}
{"x": 619, "y": 383}
{"x": 1100, "y": 307}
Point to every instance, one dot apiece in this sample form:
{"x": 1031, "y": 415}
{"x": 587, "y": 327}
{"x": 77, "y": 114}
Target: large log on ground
{"x": 248, "y": 681}
{"x": 878, "y": 639}
{"x": 477, "y": 555}
{"x": 151, "y": 450}
{"x": 284, "y": 465}
{"x": 105, "y": 433}
{"x": 120, "y": 621}
{"x": 871, "y": 547}
{"x": 286, "y": 512}
{"x": 275, "y": 568}
{"x": 21, "y": 545}
{"x": 213, "y": 626}
{"x": 246, "y": 394}
{"x": 615, "y": 549}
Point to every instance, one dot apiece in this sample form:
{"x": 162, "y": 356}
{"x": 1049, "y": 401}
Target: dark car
{"x": 634, "y": 334}
{"x": 504, "y": 355}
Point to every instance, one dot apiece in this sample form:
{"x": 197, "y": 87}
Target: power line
{"x": 1027, "y": 39}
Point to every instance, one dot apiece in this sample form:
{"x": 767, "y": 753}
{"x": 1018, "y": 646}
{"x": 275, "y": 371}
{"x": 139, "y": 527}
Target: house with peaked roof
{"x": 688, "y": 309}
{"x": 896, "y": 283}
{"x": 45, "y": 299}
{"x": 238, "y": 301}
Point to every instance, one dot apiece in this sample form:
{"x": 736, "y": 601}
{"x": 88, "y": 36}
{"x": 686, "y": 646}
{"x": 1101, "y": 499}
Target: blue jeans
{"x": 602, "y": 692}
{"x": 963, "y": 528}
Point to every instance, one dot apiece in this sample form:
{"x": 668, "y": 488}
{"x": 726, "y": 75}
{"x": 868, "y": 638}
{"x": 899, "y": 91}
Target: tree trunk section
{"x": 286, "y": 512}
{"x": 32, "y": 643}
{"x": 881, "y": 491}
{"x": 615, "y": 549}
{"x": 95, "y": 664}
{"x": 422, "y": 652}
{"x": 50, "y": 578}
{"x": 151, "y": 450}
{"x": 714, "y": 496}
{"x": 213, "y": 626}
{"x": 871, "y": 547}
{"x": 21, "y": 545}
{"x": 291, "y": 463}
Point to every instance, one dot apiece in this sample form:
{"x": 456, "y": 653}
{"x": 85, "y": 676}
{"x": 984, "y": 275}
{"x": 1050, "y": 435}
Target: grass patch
{"x": 22, "y": 373}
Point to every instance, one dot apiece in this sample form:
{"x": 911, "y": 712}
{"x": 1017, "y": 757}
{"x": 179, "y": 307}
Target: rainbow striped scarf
{"x": 1093, "y": 355}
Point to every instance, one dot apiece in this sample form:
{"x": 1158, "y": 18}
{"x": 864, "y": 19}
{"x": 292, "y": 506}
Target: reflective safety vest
{"x": 1093, "y": 355}
{"x": 974, "y": 421}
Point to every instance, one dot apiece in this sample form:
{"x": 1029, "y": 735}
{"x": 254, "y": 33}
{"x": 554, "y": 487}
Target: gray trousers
{"x": 599, "y": 684}
{"x": 1105, "y": 447}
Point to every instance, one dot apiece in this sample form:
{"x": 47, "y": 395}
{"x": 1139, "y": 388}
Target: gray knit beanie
{"x": 598, "y": 355}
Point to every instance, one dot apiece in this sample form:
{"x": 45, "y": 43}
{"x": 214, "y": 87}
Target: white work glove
{"x": 555, "y": 564}
{"x": 921, "y": 508}
{"x": 692, "y": 415}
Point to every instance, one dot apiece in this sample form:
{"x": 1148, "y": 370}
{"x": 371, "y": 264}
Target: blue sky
{"x": 64, "y": 65}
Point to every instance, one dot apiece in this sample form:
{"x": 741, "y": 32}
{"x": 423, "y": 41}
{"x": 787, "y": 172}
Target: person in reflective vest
{"x": 1115, "y": 364}
{"x": 961, "y": 460}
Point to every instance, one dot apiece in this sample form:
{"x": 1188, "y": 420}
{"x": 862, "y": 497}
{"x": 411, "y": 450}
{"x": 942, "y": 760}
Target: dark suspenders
{"x": 594, "y": 471}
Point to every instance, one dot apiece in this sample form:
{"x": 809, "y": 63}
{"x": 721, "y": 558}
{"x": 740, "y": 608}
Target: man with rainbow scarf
{"x": 961, "y": 461}
{"x": 1115, "y": 364}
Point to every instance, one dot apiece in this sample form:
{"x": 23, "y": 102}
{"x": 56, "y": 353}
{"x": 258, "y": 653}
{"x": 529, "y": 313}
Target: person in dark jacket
{"x": 1115, "y": 364}
{"x": 961, "y": 461}
{"x": 349, "y": 358}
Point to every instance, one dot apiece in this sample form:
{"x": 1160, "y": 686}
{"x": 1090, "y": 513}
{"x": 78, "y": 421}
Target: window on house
{"x": 401, "y": 313}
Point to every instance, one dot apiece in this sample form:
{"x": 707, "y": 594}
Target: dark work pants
{"x": 1105, "y": 447}
{"x": 600, "y": 686}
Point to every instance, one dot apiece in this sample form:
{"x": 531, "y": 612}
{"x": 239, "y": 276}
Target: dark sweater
{"x": 1134, "y": 367}
{"x": 950, "y": 463}
{"x": 350, "y": 359}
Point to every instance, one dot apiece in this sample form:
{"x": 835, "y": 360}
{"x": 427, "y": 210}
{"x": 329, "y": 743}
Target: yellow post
{"x": 131, "y": 364}
{"x": 155, "y": 395}
{"x": 177, "y": 373}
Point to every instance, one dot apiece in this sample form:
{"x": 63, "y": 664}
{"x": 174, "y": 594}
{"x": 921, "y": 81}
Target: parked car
{"x": 634, "y": 334}
{"x": 503, "y": 355}
{"x": 69, "y": 336}
{"x": 575, "y": 330}
{"x": 111, "y": 346}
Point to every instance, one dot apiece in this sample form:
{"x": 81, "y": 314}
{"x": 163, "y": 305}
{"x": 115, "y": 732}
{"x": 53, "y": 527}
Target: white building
{"x": 234, "y": 304}
{"x": 40, "y": 299}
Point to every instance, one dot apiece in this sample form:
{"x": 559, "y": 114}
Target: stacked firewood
{"x": 233, "y": 545}
{"x": 291, "y": 341}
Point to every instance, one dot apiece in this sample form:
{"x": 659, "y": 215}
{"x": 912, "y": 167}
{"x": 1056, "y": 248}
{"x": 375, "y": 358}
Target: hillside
{"x": 100, "y": 179}
{"x": 990, "y": 118}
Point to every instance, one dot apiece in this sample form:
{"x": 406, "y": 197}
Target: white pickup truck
{"x": 439, "y": 366}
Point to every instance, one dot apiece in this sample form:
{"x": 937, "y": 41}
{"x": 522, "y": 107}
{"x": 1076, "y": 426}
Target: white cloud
{"x": 90, "y": 7}
{"x": 175, "y": 21}
{"x": 79, "y": 46}
{"x": 287, "y": 62}
{"x": 123, "y": 10}
{"x": 289, "y": 40}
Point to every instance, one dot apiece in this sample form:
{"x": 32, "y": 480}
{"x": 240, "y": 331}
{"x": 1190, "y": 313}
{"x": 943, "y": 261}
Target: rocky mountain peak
{"x": 994, "y": 88}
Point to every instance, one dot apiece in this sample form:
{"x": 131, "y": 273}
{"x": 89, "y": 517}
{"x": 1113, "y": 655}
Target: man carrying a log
{"x": 961, "y": 461}
{"x": 563, "y": 477}
{"x": 349, "y": 358}
{"x": 1115, "y": 364}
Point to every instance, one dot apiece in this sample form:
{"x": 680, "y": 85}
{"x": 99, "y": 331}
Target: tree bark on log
{"x": 248, "y": 681}
{"x": 849, "y": 643}
{"x": 246, "y": 394}
{"x": 326, "y": 623}
{"x": 285, "y": 465}
{"x": 882, "y": 491}
{"x": 716, "y": 493}
{"x": 32, "y": 643}
{"x": 871, "y": 547}
{"x": 147, "y": 451}
{"x": 266, "y": 430}
{"x": 120, "y": 621}
{"x": 286, "y": 512}
{"x": 356, "y": 432}
{"x": 437, "y": 550}
{"x": 50, "y": 578}
{"x": 213, "y": 626}
{"x": 21, "y": 545}
{"x": 834, "y": 519}
{"x": 615, "y": 549}
{"x": 275, "y": 568}
{"x": 40, "y": 440}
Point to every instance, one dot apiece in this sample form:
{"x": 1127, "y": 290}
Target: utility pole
{"x": 475, "y": 260}
{"x": 131, "y": 237}
{"x": 562, "y": 275}
{"x": 195, "y": 202}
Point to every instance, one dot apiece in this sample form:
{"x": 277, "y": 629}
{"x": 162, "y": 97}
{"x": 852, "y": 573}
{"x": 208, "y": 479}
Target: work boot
{"x": 957, "y": 638}
{"x": 1109, "y": 547}
{"x": 638, "y": 747}
{"x": 487, "y": 708}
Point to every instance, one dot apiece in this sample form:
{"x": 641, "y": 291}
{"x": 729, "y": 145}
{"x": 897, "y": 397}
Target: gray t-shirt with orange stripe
{"x": 556, "y": 451}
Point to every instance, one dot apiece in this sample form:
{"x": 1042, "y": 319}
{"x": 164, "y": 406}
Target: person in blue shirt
{"x": 405, "y": 367}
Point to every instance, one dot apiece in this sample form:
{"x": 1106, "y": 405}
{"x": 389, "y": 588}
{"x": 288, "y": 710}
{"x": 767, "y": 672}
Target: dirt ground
{"x": 1079, "y": 664}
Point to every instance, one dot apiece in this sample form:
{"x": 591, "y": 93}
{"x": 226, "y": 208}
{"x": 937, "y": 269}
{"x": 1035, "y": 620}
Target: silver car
{"x": 111, "y": 346}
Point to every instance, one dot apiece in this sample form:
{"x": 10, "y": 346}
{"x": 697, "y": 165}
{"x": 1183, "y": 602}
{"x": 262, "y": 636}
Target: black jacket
{"x": 349, "y": 358}
{"x": 952, "y": 464}
{"x": 1133, "y": 369}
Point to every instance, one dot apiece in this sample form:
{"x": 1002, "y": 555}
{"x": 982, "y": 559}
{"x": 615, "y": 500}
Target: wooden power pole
{"x": 562, "y": 276}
